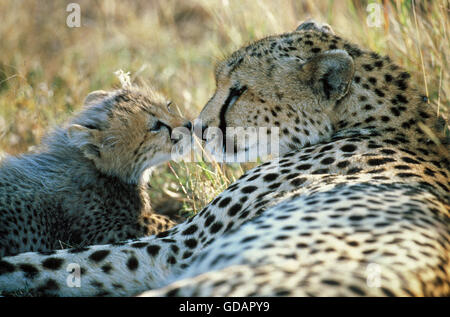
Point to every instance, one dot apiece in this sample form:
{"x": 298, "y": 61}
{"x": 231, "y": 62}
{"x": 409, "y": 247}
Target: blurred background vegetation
{"x": 47, "y": 68}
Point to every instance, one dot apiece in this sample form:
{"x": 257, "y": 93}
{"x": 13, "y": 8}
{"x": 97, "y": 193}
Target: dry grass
{"x": 46, "y": 68}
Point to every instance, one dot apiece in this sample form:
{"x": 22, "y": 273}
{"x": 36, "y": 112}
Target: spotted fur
{"x": 357, "y": 203}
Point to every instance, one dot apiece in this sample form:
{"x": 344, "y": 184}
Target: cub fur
{"x": 86, "y": 182}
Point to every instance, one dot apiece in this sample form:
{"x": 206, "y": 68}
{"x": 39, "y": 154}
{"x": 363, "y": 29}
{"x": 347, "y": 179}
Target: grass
{"x": 47, "y": 68}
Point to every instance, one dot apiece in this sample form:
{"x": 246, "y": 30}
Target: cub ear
{"x": 330, "y": 74}
{"x": 95, "y": 97}
{"x": 313, "y": 25}
{"x": 85, "y": 139}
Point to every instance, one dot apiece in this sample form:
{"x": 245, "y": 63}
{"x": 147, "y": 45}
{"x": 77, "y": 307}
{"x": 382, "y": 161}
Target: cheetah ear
{"x": 330, "y": 75}
{"x": 85, "y": 139}
{"x": 95, "y": 97}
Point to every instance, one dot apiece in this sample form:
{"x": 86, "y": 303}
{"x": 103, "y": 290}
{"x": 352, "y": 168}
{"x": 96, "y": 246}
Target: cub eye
{"x": 157, "y": 126}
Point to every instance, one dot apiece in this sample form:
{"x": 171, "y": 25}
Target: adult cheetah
{"x": 357, "y": 204}
{"x": 86, "y": 183}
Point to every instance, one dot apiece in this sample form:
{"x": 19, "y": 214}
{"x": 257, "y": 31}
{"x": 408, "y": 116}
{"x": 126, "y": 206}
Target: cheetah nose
{"x": 188, "y": 125}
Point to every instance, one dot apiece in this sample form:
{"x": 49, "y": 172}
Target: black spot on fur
{"x": 153, "y": 250}
{"x": 406, "y": 175}
{"x": 401, "y": 98}
{"x": 304, "y": 167}
{"x": 190, "y": 243}
{"x": 378, "y": 64}
{"x": 331, "y": 282}
{"x": 162, "y": 234}
{"x": 29, "y": 270}
{"x": 356, "y": 290}
{"x": 409, "y": 160}
{"x": 379, "y": 92}
{"x": 106, "y": 268}
{"x": 248, "y": 239}
{"x": 248, "y": 189}
{"x": 224, "y": 202}
{"x": 270, "y": 177}
{"x": 395, "y": 111}
{"x": 234, "y": 210}
{"x": 367, "y": 67}
{"x": 388, "y": 78}
{"x": 190, "y": 230}
{"x": 209, "y": 220}
{"x": 348, "y": 148}
{"x": 98, "y": 256}
{"x": 343, "y": 164}
{"x": 327, "y": 160}
{"x": 96, "y": 284}
{"x": 6, "y": 267}
{"x": 132, "y": 263}
{"x": 387, "y": 292}
{"x": 326, "y": 148}
{"x": 52, "y": 263}
{"x": 352, "y": 50}
{"x": 50, "y": 285}
{"x": 379, "y": 161}
{"x": 139, "y": 245}
{"x": 298, "y": 181}
{"x": 216, "y": 227}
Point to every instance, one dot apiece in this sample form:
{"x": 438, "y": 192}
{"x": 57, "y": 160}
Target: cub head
{"x": 291, "y": 82}
{"x": 125, "y": 132}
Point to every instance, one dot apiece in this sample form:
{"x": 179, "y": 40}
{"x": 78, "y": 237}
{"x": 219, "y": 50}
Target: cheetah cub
{"x": 86, "y": 183}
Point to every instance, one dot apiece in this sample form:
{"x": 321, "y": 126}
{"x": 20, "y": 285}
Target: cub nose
{"x": 180, "y": 134}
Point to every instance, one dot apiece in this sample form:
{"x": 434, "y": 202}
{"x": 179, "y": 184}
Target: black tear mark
{"x": 235, "y": 93}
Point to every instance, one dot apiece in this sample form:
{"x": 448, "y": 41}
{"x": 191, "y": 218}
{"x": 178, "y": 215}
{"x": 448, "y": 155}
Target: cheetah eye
{"x": 169, "y": 106}
{"x": 234, "y": 95}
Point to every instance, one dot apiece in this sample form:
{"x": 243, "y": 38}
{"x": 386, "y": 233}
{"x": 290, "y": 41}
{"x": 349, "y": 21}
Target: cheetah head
{"x": 126, "y": 132}
{"x": 284, "y": 82}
